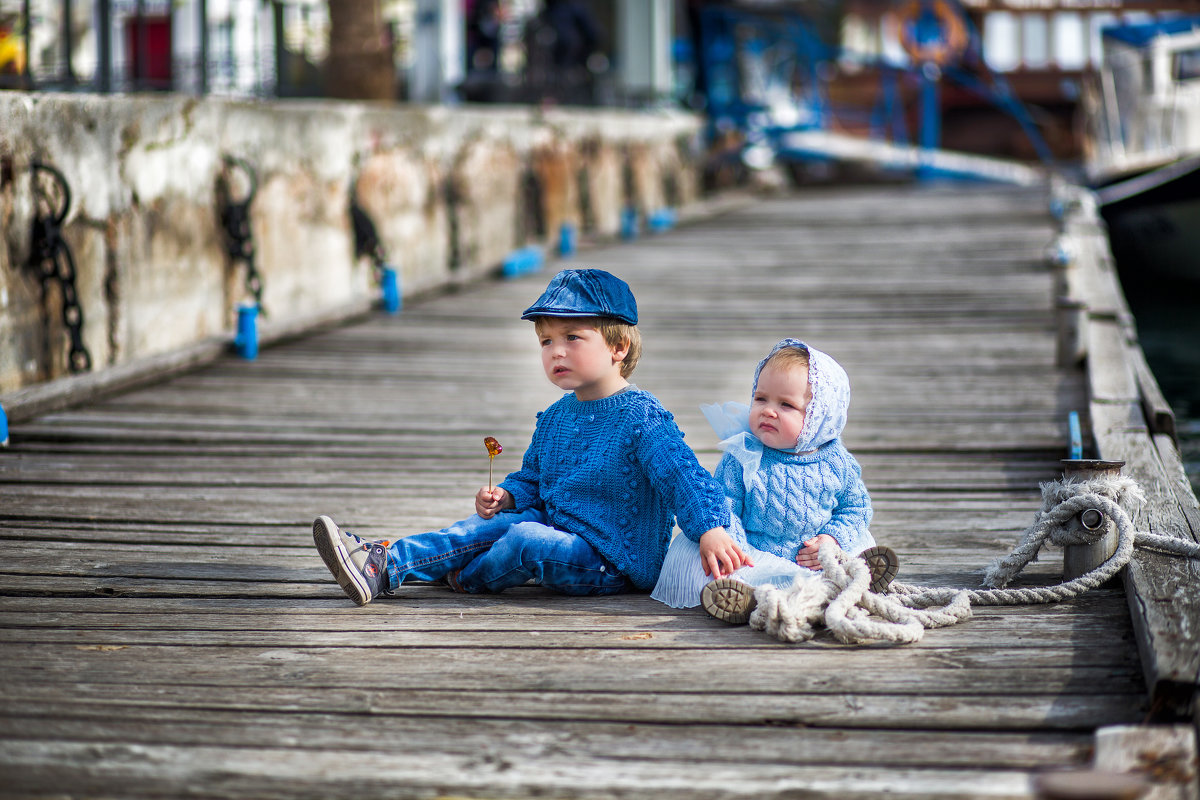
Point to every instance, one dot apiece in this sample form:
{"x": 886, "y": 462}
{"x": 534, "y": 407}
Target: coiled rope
{"x": 842, "y": 601}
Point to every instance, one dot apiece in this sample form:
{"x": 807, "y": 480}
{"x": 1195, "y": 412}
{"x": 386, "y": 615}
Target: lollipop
{"x": 494, "y": 449}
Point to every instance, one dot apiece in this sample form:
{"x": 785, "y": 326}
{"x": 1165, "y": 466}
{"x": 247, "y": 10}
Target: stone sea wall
{"x": 451, "y": 192}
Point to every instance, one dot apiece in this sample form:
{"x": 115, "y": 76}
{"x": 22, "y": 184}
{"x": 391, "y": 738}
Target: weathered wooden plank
{"x": 1109, "y": 375}
{"x": 1105, "y": 607}
{"x": 1158, "y": 412}
{"x": 838, "y": 670}
{"x": 407, "y": 632}
{"x": 1100, "y": 615}
{"x": 157, "y": 770}
{"x": 740, "y": 706}
{"x": 705, "y": 743}
{"x": 82, "y": 466}
{"x": 357, "y": 508}
{"x": 1176, "y": 476}
{"x": 927, "y": 571}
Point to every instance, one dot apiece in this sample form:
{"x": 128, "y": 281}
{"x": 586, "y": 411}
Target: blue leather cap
{"x": 585, "y": 293}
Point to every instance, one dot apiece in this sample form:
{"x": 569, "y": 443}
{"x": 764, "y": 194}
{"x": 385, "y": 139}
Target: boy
{"x": 605, "y": 477}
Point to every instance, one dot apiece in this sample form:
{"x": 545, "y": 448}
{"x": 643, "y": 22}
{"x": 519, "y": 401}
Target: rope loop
{"x": 944, "y": 48}
{"x": 841, "y": 600}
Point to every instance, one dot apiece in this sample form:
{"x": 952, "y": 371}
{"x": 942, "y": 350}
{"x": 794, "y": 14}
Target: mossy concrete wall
{"x": 451, "y": 191}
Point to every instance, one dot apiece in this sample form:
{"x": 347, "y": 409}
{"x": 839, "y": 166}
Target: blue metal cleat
{"x": 3, "y": 428}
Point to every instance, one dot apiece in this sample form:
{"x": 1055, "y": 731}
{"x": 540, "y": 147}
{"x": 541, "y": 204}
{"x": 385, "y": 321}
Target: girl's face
{"x": 777, "y": 411}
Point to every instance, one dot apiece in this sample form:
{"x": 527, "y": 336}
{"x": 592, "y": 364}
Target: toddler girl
{"x": 791, "y": 484}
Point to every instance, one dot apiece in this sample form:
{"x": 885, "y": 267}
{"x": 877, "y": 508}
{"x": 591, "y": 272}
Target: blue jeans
{"x": 507, "y": 550}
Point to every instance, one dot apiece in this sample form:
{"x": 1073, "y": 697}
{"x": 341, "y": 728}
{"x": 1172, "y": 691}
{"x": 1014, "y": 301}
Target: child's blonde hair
{"x": 615, "y": 333}
{"x": 787, "y": 357}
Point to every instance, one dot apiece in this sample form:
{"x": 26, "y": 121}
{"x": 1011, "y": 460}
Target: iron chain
{"x": 50, "y": 257}
{"x": 235, "y": 219}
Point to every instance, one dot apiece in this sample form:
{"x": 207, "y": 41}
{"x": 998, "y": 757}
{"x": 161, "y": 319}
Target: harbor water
{"x": 1168, "y": 324}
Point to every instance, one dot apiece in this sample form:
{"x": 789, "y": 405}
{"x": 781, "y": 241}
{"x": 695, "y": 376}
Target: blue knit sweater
{"x": 794, "y": 497}
{"x": 616, "y": 472}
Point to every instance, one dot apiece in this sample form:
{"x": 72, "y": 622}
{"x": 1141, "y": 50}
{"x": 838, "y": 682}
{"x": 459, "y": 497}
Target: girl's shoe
{"x": 884, "y": 566}
{"x": 728, "y": 600}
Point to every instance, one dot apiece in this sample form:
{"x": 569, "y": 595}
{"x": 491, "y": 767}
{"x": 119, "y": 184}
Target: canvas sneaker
{"x": 359, "y": 566}
{"x": 728, "y": 600}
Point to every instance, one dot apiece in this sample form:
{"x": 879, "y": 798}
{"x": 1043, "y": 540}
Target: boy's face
{"x": 777, "y": 411}
{"x": 576, "y": 357}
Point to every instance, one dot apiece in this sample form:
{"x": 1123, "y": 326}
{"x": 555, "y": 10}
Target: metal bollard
{"x": 662, "y": 220}
{"x": 3, "y": 428}
{"x": 629, "y": 223}
{"x": 566, "y": 239}
{"x": 1080, "y": 559}
{"x": 246, "y": 340}
{"x": 389, "y": 282}
{"x": 1070, "y": 340}
{"x": 522, "y": 262}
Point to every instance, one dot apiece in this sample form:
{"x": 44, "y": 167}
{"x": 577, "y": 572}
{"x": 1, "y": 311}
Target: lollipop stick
{"x": 493, "y": 449}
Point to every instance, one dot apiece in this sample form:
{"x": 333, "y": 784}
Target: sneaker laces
{"x": 367, "y": 544}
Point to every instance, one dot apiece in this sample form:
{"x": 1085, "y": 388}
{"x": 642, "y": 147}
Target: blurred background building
{"x": 856, "y": 56}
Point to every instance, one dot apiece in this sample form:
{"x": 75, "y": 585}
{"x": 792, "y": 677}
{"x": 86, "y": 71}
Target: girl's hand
{"x": 491, "y": 501}
{"x": 807, "y": 557}
{"x": 720, "y": 555}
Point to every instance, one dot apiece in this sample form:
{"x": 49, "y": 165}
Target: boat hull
{"x": 1154, "y": 223}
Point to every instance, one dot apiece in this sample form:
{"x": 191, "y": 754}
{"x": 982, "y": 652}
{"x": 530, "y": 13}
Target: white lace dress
{"x": 682, "y": 576}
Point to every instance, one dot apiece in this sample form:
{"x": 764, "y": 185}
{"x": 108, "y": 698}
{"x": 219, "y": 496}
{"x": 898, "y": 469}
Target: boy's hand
{"x": 491, "y": 501}
{"x": 720, "y": 555}
{"x": 807, "y": 557}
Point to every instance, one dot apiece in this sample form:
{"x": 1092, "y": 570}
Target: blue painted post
{"x": 523, "y": 261}
{"x": 662, "y": 220}
{"x": 566, "y": 239}
{"x": 3, "y": 428}
{"x": 629, "y": 223}
{"x": 246, "y": 341}
{"x": 390, "y": 283}
{"x": 929, "y": 32}
{"x": 1076, "y": 436}
{"x": 931, "y": 116}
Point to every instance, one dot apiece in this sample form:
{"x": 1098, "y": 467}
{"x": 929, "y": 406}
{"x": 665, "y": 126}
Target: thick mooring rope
{"x": 841, "y": 600}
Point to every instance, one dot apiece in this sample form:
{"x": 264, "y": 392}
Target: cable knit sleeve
{"x": 523, "y": 484}
{"x": 852, "y": 512}
{"x": 692, "y": 494}
{"x": 729, "y": 475}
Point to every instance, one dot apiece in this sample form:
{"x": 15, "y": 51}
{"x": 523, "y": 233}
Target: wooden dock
{"x": 168, "y": 629}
